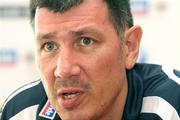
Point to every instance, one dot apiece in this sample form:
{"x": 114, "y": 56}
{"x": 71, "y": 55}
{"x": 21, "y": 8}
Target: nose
{"x": 67, "y": 67}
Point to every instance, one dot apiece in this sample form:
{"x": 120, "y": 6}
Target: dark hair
{"x": 119, "y": 11}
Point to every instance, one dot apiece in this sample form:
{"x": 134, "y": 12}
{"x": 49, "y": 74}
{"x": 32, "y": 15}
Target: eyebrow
{"x": 42, "y": 36}
{"x": 78, "y": 32}
{"x": 86, "y": 30}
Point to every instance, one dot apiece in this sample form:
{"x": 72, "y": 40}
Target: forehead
{"x": 89, "y": 9}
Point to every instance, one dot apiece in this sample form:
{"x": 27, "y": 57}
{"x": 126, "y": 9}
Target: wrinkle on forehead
{"x": 85, "y": 10}
{"x": 88, "y": 11}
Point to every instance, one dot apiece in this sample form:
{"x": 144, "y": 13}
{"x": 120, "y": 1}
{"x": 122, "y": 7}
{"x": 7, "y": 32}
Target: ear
{"x": 132, "y": 43}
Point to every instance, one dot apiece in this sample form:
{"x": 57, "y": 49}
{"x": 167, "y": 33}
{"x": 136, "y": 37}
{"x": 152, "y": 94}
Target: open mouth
{"x": 67, "y": 96}
{"x": 70, "y": 97}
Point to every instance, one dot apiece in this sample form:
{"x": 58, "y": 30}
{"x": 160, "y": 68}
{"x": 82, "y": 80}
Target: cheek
{"x": 106, "y": 69}
{"x": 46, "y": 67}
{"x": 107, "y": 63}
{"x": 46, "y": 71}
{"x": 106, "y": 77}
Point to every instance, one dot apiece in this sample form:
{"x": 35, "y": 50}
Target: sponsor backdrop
{"x": 160, "y": 43}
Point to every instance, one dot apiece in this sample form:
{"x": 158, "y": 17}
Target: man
{"x": 86, "y": 53}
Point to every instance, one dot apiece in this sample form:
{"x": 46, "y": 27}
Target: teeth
{"x": 70, "y": 95}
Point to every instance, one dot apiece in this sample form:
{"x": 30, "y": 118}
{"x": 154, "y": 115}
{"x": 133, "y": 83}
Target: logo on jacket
{"x": 48, "y": 111}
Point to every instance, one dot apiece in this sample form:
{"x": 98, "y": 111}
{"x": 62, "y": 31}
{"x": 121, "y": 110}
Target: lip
{"x": 72, "y": 102}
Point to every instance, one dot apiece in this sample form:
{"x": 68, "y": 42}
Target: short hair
{"x": 119, "y": 11}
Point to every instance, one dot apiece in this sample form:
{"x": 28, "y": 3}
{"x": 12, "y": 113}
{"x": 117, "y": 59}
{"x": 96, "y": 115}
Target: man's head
{"x": 119, "y": 10}
{"x": 82, "y": 55}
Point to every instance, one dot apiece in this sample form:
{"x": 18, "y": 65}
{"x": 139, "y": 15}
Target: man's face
{"x": 81, "y": 62}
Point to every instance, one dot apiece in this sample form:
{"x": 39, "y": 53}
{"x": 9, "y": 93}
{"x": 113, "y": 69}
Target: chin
{"x": 75, "y": 117}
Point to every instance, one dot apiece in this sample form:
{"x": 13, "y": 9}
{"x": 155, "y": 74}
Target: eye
{"x": 49, "y": 46}
{"x": 86, "y": 41}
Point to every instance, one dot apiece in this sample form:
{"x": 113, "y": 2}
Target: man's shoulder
{"x": 28, "y": 96}
{"x": 157, "y": 77}
{"x": 162, "y": 81}
{"x": 161, "y": 86}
